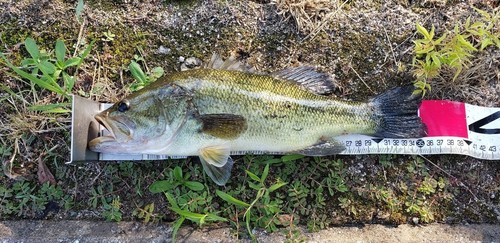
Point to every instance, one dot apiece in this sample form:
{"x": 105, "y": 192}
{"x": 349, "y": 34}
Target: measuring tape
{"x": 453, "y": 128}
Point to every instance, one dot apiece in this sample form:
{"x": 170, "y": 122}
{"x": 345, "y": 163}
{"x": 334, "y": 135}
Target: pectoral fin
{"x": 323, "y": 148}
{"x": 217, "y": 163}
{"x": 226, "y": 126}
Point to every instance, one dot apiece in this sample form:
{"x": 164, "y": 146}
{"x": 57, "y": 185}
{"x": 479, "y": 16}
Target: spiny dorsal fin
{"x": 307, "y": 77}
{"x": 232, "y": 63}
{"x": 217, "y": 163}
{"x": 226, "y": 126}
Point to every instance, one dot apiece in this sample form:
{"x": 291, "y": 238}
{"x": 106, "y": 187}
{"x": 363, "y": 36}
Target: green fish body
{"x": 212, "y": 112}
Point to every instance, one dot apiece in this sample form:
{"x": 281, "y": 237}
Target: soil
{"x": 365, "y": 46}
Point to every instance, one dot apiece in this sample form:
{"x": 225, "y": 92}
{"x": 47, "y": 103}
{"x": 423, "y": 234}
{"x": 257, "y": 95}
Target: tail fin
{"x": 397, "y": 113}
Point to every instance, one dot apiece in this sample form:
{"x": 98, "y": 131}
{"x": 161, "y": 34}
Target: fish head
{"x": 140, "y": 122}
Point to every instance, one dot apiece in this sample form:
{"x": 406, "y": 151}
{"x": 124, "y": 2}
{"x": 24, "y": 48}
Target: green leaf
{"x": 465, "y": 43}
{"x": 483, "y": 13}
{"x": 230, "y": 199}
{"x": 32, "y": 48}
{"x": 424, "y": 49}
{"x": 247, "y": 216}
{"x": 176, "y": 227}
{"x": 253, "y": 176}
{"x": 497, "y": 41}
{"x": 277, "y": 186}
{"x": 46, "y": 67}
{"x": 69, "y": 82}
{"x": 79, "y": 10}
{"x": 51, "y": 108}
{"x": 265, "y": 173}
{"x": 254, "y": 186}
{"x": 178, "y": 173}
{"x": 171, "y": 200}
{"x": 137, "y": 72}
{"x": 157, "y": 72}
{"x": 467, "y": 23}
{"x": 214, "y": 217}
{"x": 194, "y": 185}
{"x": 292, "y": 157}
{"x": 485, "y": 43}
{"x": 85, "y": 53}
{"x": 435, "y": 58}
{"x": 423, "y": 31}
{"x": 431, "y": 34}
{"x": 60, "y": 51}
{"x": 161, "y": 186}
{"x": 440, "y": 39}
{"x": 43, "y": 84}
{"x": 28, "y": 62}
{"x": 457, "y": 72}
{"x": 74, "y": 61}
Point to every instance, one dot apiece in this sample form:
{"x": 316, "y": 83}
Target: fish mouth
{"x": 120, "y": 133}
{"x": 106, "y": 126}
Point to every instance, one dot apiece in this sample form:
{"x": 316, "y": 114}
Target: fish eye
{"x": 123, "y": 106}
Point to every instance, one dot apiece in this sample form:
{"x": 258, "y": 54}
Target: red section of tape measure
{"x": 444, "y": 118}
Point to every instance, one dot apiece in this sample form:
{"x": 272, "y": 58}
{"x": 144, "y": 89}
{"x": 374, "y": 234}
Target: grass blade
{"x": 35, "y": 80}
{"x": 176, "y": 227}
{"x": 230, "y": 199}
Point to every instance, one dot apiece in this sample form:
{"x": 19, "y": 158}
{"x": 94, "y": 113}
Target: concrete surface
{"x": 91, "y": 231}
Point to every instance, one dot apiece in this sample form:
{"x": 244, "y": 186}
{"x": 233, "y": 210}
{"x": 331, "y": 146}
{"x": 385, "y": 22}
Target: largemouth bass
{"x": 213, "y": 111}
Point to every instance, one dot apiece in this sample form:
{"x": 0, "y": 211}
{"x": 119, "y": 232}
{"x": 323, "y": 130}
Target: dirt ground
{"x": 365, "y": 46}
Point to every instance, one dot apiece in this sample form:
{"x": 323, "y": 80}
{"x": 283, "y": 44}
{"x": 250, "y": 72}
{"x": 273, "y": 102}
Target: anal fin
{"x": 323, "y": 148}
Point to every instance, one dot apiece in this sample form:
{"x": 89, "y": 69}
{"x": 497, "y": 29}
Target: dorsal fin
{"x": 232, "y": 63}
{"x": 307, "y": 77}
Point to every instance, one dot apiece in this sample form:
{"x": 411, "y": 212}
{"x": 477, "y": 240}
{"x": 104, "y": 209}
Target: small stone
{"x": 192, "y": 62}
{"x": 181, "y": 59}
{"x": 415, "y": 220}
{"x": 164, "y": 50}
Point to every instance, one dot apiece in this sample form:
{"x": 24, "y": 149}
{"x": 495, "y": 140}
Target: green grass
{"x": 275, "y": 193}
{"x": 453, "y": 49}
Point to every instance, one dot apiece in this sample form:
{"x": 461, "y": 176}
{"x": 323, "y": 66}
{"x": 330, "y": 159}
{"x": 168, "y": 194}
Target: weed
{"x": 453, "y": 49}
{"x": 187, "y": 198}
{"x": 23, "y": 198}
{"x": 198, "y": 218}
{"x": 142, "y": 79}
{"x": 113, "y": 212}
{"x": 47, "y": 70}
{"x": 147, "y": 214}
{"x": 264, "y": 207}
{"x": 108, "y": 36}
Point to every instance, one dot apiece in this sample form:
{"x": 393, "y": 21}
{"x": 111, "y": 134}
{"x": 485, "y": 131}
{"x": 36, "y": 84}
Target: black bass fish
{"x": 222, "y": 108}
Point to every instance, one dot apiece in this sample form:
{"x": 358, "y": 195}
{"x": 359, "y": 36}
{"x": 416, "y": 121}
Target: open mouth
{"x": 111, "y": 135}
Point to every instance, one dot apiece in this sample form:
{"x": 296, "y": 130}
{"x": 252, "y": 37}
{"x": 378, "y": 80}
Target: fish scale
{"x": 278, "y": 108}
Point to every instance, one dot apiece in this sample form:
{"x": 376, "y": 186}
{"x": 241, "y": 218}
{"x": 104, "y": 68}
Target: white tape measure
{"x": 453, "y": 128}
